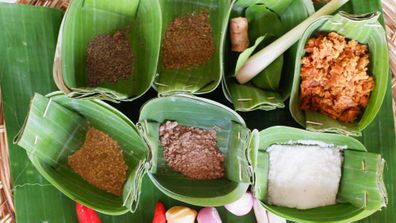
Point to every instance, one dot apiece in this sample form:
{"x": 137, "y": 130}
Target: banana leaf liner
{"x": 232, "y": 139}
{"x": 267, "y": 21}
{"x": 365, "y": 29}
{"x": 203, "y": 78}
{"x": 56, "y": 126}
{"x": 361, "y": 193}
{"x": 86, "y": 19}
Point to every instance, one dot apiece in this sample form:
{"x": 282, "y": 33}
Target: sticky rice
{"x": 304, "y": 176}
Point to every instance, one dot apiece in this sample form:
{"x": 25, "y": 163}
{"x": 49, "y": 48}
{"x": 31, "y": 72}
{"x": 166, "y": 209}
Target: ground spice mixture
{"x": 192, "y": 151}
{"x": 334, "y": 77}
{"x": 109, "y": 58}
{"x": 188, "y": 41}
{"x": 100, "y": 162}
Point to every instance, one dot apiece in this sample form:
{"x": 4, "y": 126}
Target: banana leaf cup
{"x": 361, "y": 191}
{"x": 85, "y": 20}
{"x": 56, "y": 126}
{"x": 232, "y": 139}
{"x": 202, "y": 78}
{"x": 365, "y": 29}
{"x": 49, "y": 143}
{"x": 267, "y": 20}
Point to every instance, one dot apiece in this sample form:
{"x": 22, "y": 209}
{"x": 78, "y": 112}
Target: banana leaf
{"x": 86, "y": 19}
{"x": 55, "y": 128}
{"x": 206, "y": 77}
{"x": 274, "y": 5}
{"x": 151, "y": 194}
{"x": 27, "y": 68}
{"x": 263, "y": 21}
{"x": 269, "y": 78}
{"x": 232, "y": 136}
{"x": 56, "y": 125}
{"x": 365, "y": 29}
{"x": 362, "y": 191}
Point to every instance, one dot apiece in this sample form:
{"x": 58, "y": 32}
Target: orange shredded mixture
{"x": 334, "y": 77}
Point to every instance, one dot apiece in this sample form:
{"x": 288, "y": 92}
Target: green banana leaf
{"x": 362, "y": 191}
{"x": 86, "y": 19}
{"x": 151, "y": 194}
{"x": 277, "y": 6}
{"x": 37, "y": 201}
{"x": 27, "y": 68}
{"x": 262, "y": 21}
{"x": 365, "y": 29}
{"x": 258, "y": 17}
{"x": 204, "y": 78}
{"x": 56, "y": 125}
{"x": 274, "y": 5}
{"x": 55, "y": 128}
{"x": 270, "y": 77}
{"x": 232, "y": 136}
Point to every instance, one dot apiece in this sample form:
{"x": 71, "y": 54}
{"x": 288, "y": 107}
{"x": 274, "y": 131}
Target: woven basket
{"x": 7, "y": 209}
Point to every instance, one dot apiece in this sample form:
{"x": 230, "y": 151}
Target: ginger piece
{"x": 239, "y": 34}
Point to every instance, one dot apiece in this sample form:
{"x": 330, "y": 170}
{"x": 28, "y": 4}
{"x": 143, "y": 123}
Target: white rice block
{"x": 303, "y": 176}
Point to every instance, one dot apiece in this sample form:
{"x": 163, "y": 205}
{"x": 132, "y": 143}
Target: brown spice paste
{"x": 188, "y": 41}
{"x": 334, "y": 77}
{"x": 192, "y": 151}
{"x": 100, "y": 162}
{"x": 109, "y": 58}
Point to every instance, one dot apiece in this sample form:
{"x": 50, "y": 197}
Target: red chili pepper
{"x": 86, "y": 215}
{"x": 159, "y": 213}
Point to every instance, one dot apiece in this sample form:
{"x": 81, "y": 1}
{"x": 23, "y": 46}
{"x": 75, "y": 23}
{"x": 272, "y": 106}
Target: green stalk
{"x": 262, "y": 59}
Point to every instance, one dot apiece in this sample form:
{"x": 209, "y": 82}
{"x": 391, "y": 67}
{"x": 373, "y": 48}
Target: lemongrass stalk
{"x": 262, "y": 59}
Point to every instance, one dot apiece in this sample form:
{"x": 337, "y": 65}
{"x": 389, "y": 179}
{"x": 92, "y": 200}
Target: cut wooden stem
{"x": 259, "y": 61}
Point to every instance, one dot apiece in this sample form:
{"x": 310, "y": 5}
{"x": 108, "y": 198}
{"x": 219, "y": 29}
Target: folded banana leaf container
{"x": 267, "y": 20}
{"x": 56, "y": 126}
{"x": 147, "y": 24}
{"x": 365, "y": 29}
{"x": 203, "y": 78}
{"x": 362, "y": 191}
{"x": 86, "y": 19}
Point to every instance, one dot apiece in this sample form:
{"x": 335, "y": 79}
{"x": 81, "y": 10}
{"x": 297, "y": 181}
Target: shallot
{"x": 209, "y": 215}
{"x": 264, "y": 216}
{"x": 260, "y": 212}
{"x": 242, "y": 206}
